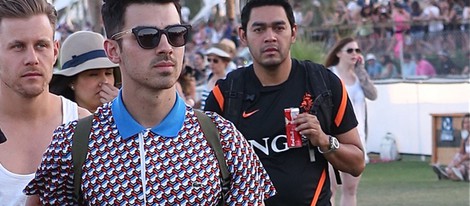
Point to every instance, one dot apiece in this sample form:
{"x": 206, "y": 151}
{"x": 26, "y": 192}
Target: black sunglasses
{"x": 216, "y": 61}
{"x": 149, "y": 37}
{"x": 350, "y": 50}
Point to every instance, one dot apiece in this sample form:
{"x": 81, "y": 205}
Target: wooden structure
{"x": 443, "y": 148}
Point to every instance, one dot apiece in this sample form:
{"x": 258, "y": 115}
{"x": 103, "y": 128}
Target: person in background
{"x": 274, "y": 82}
{"x": 201, "y": 73}
{"x": 408, "y": 66}
{"x": 401, "y": 21}
{"x": 87, "y": 77}
{"x": 186, "y": 85}
{"x": 29, "y": 113}
{"x": 445, "y": 65}
{"x": 229, "y": 46}
{"x": 389, "y": 69}
{"x": 373, "y": 67}
{"x": 219, "y": 58}
{"x": 201, "y": 69}
{"x": 146, "y": 147}
{"x": 459, "y": 168}
{"x": 417, "y": 30}
{"x": 346, "y": 61}
{"x": 423, "y": 66}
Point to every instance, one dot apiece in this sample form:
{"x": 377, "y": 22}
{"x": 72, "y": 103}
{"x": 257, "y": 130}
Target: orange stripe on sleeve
{"x": 218, "y": 97}
{"x": 342, "y": 106}
{"x": 321, "y": 182}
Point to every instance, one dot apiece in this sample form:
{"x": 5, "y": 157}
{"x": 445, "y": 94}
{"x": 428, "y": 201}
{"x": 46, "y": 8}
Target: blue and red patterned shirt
{"x": 169, "y": 164}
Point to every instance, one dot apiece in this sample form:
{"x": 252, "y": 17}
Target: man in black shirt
{"x": 258, "y": 95}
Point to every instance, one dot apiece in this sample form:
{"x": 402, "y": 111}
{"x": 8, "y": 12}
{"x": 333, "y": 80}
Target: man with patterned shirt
{"x": 274, "y": 82}
{"x": 29, "y": 113}
{"x": 146, "y": 147}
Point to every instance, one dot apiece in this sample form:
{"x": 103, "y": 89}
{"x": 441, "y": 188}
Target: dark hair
{"x": 60, "y": 84}
{"x": 246, "y": 11}
{"x": 199, "y": 53}
{"x": 418, "y": 56}
{"x": 387, "y": 59}
{"x": 26, "y": 9}
{"x": 415, "y": 7}
{"x": 113, "y": 12}
{"x": 363, "y": 11}
{"x": 332, "y": 59}
{"x": 406, "y": 55}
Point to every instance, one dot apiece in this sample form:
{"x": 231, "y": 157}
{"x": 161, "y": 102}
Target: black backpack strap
{"x": 79, "y": 152}
{"x": 317, "y": 77}
{"x": 212, "y": 136}
{"x": 235, "y": 95}
{"x": 322, "y": 95}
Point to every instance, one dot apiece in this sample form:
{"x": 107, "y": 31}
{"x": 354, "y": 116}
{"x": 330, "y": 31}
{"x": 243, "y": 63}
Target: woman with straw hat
{"x": 219, "y": 58}
{"x": 87, "y": 76}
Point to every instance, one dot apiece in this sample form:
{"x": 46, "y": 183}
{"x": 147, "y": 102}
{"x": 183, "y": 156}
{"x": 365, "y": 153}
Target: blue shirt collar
{"x": 128, "y": 127}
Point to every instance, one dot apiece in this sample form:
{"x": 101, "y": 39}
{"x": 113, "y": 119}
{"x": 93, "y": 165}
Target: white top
{"x": 431, "y": 12}
{"x": 358, "y": 100}
{"x": 11, "y": 184}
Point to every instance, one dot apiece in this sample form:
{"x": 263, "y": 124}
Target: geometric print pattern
{"x": 150, "y": 168}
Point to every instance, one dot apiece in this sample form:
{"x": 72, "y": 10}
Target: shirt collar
{"x": 128, "y": 126}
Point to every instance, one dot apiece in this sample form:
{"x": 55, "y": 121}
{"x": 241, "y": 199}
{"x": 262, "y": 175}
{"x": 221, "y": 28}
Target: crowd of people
{"x": 396, "y": 28}
{"x": 428, "y": 23}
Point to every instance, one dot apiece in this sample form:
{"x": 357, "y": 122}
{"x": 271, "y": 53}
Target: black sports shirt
{"x": 298, "y": 181}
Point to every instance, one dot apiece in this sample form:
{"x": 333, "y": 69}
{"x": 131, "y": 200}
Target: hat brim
{"x": 97, "y": 63}
{"x": 218, "y": 52}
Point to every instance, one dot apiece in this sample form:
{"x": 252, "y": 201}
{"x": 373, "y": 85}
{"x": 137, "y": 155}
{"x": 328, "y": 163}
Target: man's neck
{"x": 148, "y": 109}
{"x": 17, "y": 106}
{"x": 275, "y": 75}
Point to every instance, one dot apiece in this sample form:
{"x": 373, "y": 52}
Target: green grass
{"x": 408, "y": 182}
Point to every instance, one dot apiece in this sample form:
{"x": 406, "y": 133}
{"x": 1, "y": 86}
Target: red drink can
{"x": 294, "y": 139}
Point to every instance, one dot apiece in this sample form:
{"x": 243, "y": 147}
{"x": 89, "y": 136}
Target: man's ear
{"x": 56, "y": 50}
{"x": 294, "y": 33}
{"x": 242, "y": 36}
{"x": 113, "y": 51}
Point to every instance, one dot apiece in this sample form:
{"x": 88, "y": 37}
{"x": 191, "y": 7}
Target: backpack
{"x": 388, "y": 148}
{"x": 237, "y": 94}
{"x": 80, "y": 148}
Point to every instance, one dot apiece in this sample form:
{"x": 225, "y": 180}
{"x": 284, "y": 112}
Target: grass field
{"x": 409, "y": 181}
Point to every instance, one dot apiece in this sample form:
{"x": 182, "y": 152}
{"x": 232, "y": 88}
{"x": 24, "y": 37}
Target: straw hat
{"x": 218, "y": 50}
{"x": 81, "y": 51}
{"x": 229, "y": 46}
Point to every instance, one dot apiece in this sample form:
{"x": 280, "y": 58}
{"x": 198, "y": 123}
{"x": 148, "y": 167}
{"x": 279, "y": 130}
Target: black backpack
{"x": 237, "y": 94}
{"x": 80, "y": 148}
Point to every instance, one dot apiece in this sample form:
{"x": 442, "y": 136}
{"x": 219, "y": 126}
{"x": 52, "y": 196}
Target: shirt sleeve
{"x": 54, "y": 177}
{"x": 250, "y": 183}
{"x": 215, "y": 100}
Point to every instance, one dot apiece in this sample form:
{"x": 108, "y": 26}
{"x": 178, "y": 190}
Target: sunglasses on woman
{"x": 351, "y": 50}
{"x": 216, "y": 61}
{"x": 149, "y": 37}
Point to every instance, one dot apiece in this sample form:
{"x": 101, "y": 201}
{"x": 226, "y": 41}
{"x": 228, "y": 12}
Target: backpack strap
{"x": 322, "y": 95}
{"x": 322, "y": 100}
{"x": 212, "y": 136}
{"x": 79, "y": 152}
{"x": 235, "y": 95}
